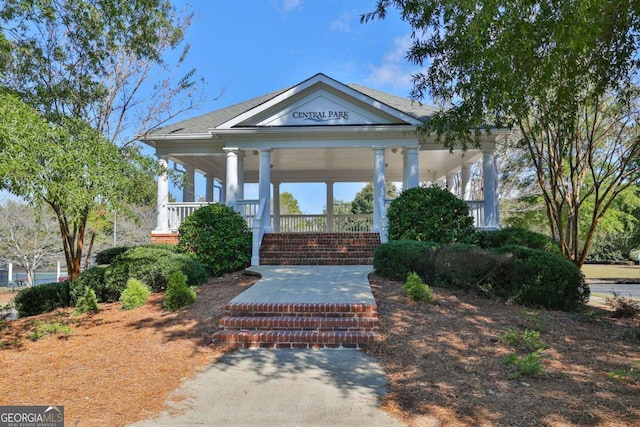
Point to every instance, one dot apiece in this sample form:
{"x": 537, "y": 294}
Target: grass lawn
{"x": 604, "y": 271}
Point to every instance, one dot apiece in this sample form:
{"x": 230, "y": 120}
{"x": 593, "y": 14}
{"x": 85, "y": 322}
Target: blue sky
{"x": 250, "y": 48}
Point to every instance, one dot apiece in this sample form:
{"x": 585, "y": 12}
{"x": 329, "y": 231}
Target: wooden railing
{"x": 178, "y": 211}
{"x": 304, "y": 223}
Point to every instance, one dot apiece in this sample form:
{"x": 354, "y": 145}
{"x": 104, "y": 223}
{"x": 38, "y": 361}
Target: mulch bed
{"x": 445, "y": 363}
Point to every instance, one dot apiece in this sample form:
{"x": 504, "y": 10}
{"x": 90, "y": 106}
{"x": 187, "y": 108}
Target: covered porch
{"x": 319, "y": 131}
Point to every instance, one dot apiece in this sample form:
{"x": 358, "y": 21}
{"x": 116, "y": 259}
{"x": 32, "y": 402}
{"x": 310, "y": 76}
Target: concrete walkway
{"x": 288, "y": 387}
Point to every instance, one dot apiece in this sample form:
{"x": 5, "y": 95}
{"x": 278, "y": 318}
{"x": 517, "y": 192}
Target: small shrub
{"x": 631, "y": 374}
{"x": 397, "y": 259}
{"x": 152, "y": 266}
{"x": 430, "y": 214}
{"x": 93, "y": 278}
{"x": 87, "y": 302}
{"x": 178, "y": 294}
{"x": 528, "y": 340}
{"x": 529, "y": 365}
{"x": 622, "y": 307}
{"x": 218, "y": 237}
{"x": 107, "y": 256}
{"x": 510, "y": 236}
{"x": 134, "y": 295}
{"x": 417, "y": 290}
{"x": 42, "y": 298}
{"x": 42, "y": 329}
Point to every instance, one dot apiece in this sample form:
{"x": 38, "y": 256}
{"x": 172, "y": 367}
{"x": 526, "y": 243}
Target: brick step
{"x": 300, "y": 323}
{"x": 315, "y": 261}
{"x": 294, "y": 339}
{"x": 253, "y": 309}
{"x": 318, "y": 248}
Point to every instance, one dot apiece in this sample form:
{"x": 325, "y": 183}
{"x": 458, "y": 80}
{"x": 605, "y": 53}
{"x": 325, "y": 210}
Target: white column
{"x": 330, "y": 215}
{"x": 162, "y": 207}
{"x": 10, "y": 272}
{"x": 264, "y": 188}
{"x": 465, "y": 182}
{"x": 411, "y": 170}
{"x": 276, "y": 207}
{"x": 223, "y": 192}
{"x": 188, "y": 191}
{"x": 208, "y": 194}
{"x": 379, "y": 188}
{"x": 240, "y": 192}
{"x": 450, "y": 181}
{"x": 231, "y": 187}
{"x": 489, "y": 173}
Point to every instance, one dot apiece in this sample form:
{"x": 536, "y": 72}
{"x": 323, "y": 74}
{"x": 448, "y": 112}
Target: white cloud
{"x": 340, "y": 26}
{"x": 289, "y": 5}
{"x": 399, "y": 51}
{"x": 390, "y": 74}
{"x": 395, "y": 71}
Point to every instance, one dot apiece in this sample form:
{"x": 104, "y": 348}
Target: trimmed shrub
{"x": 543, "y": 279}
{"x": 430, "y": 214}
{"x": 417, "y": 290}
{"x": 42, "y": 298}
{"x": 218, "y": 237}
{"x": 86, "y": 302}
{"x": 134, "y": 295}
{"x": 152, "y": 266}
{"x": 469, "y": 267}
{"x": 397, "y": 259}
{"x": 178, "y": 294}
{"x": 107, "y": 256}
{"x": 516, "y": 236}
{"x": 93, "y": 278}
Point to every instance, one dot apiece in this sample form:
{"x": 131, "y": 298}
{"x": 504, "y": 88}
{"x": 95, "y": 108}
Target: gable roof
{"x": 204, "y": 123}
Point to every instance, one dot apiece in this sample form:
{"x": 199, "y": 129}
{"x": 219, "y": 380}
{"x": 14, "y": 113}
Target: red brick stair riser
{"x": 318, "y": 248}
{"x": 298, "y": 325}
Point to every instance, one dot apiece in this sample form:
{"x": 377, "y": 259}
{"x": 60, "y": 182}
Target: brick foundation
{"x": 165, "y": 238}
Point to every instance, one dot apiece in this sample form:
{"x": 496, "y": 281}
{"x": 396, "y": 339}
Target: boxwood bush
{"x": 152, "y": 266}
{"x": 546, "y": 280}
{"x": 93, "y": 278}
{"x": 42, "y": 298}
{"x": 510, "y": 236}
{"x": 399, "y": 258}
{"x": 106, "y": 256}
{"x": 430, "y": 214}
{"x": 218, "y": 237}
{"x": 470, "y": 267}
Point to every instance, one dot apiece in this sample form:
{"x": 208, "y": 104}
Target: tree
{"x": 363, "y": 201}
{"x": 98, "y": 61}
{"x": 289, "y": 205}
{"x": 560, "y": 73}
{"x": 70, "y": 168}
{"x": 27, "y": 238}
{"x": 87, "y": 69}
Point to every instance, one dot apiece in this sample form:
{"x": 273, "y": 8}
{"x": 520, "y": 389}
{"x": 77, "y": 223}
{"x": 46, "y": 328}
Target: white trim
{"x": 318, "y": 79}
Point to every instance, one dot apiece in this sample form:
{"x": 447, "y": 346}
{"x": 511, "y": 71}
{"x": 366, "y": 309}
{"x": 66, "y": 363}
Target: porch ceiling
{"x": 353, "y": 164}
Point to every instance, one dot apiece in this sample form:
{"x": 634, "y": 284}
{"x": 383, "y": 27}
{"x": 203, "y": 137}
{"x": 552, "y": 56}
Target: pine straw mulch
{"x": 116, "y": 366}
{"x": 444, "y": 361}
